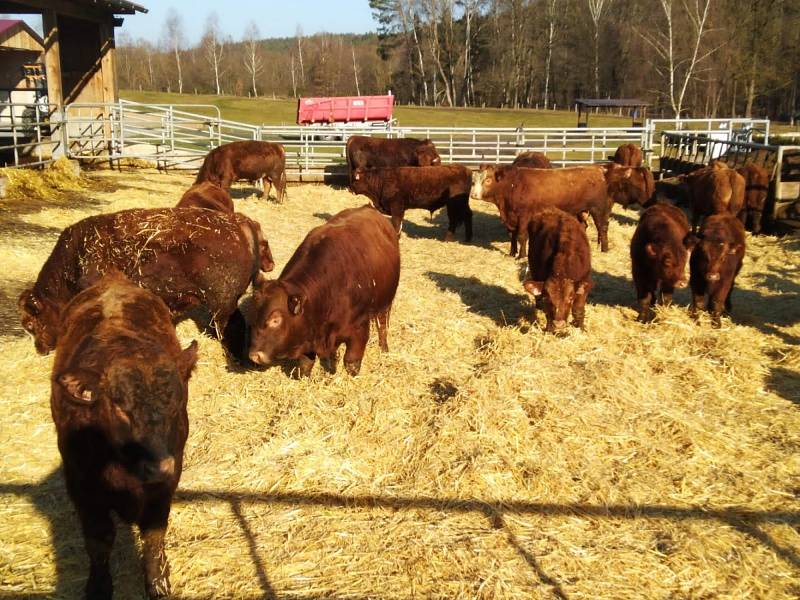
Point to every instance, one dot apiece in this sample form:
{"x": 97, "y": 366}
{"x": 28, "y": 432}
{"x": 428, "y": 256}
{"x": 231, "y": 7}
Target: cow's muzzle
{"x": 157, "y": 471}
{"x": 259, "y": 358}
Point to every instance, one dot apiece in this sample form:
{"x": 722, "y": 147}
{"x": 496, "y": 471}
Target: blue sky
{"x": 275, "y": 18}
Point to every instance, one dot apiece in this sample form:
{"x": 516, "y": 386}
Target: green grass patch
{"x": 283, "y": 111}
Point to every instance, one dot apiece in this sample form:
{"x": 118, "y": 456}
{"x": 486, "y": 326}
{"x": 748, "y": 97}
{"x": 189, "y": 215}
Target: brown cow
{"x": 629, "y": 185}
{"x": 343, "y": 275}
{"x": 249, "y": 160}
{"x": 186, "y": 256}
{"x": 371, "y": 152}
{"x": 393, "y": 190}
{"x": 756, "y": 181}
{"x": 206, "y": 195}
{"x": 118, "y": 398}
{"x": 659, "y": 249}
{"x": 715, "y": 262}
{"x": 559, "y": 267}
{"x": 629, "y": 155}
{"x": 518, "y": 192}
{"x": 532, "y": 160}
{"x": 713, "y": 190}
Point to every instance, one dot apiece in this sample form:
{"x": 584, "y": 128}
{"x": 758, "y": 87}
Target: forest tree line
{"x": 699, "y": 58}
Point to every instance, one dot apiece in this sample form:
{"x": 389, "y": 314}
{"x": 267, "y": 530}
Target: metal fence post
{"x": 14, "y": 137}
{"x": 38, "y": 132}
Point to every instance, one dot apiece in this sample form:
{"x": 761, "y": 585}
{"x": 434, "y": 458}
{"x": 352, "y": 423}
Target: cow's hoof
{"x": 352, "y": 367}
{"x": 449, "y": 237}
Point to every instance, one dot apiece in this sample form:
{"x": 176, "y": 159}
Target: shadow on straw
{"x": 49, "y": 496}
{"x": 483, "y": 299}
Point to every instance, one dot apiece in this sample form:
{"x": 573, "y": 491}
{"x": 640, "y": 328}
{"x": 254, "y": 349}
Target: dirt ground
{"x": 478, "y": 458}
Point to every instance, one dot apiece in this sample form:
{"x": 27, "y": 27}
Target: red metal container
{"x": 344, "y": 109}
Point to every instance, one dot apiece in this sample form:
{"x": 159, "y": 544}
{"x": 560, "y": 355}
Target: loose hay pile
{"x": 52, "y": 181}
{"x": 480, "y": 457}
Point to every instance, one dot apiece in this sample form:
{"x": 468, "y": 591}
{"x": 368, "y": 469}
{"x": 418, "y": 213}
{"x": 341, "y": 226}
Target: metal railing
{"x": 684, "y": 152}
{"x": 733, "y": 129}
{"x": 29, "y": 133}
{"x": 173, "y": 136}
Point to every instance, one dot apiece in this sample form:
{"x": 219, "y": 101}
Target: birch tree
{"x": 596, "y": 9}
{"x": 253, "y": 62}
{"x": 551, "y": 14}
{"x": 680, "y": 71}
{"x": 214, "y": 48}
{"x": 173, "y": 34}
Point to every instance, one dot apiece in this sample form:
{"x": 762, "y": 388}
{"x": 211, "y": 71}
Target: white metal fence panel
{"x": 173, "y": 136}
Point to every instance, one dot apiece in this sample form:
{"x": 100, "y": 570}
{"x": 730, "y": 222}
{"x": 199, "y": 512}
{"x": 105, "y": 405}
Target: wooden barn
{"x": 78, "y": 45}
{"x": 21, "y": 70}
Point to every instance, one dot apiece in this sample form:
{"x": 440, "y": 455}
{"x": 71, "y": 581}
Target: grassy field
{"x": 479, "y": 458}
{"x": 264, "y": 111}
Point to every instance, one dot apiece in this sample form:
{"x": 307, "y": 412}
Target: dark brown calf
{"x": 518, "y": 193}
{"x": 559, "y": 267}
{"x": 249, "y": 160}
{"x": 364, "y": 152}
{"x": 659, "y": 249}
{"x": 186, "y": 256}
{"x": 629, "y": 155}
{"x": 393, "y": 190}
{"x": 532, "y": 160}
{"x": 343, "y": 275}
{"x": 756, "y": 181}
{"x": 206, "y": 195}
{"x": 118, "y": 398}
{"x": 715, "y": 262}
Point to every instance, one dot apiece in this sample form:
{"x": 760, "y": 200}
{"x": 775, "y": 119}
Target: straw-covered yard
{"x": 479, "y": 458}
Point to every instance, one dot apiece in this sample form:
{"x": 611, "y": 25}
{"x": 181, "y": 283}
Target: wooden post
{"x": 52, "y": 61}
{"x": 108, "y": 72}
{"x": 108, "y": 63}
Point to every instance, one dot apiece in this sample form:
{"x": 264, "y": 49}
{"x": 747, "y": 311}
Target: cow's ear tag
{"x": 296, "y": 302}
{"x": 74, "y": 385}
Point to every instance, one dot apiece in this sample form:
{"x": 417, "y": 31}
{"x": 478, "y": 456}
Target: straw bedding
{"x": 479, "y": 458}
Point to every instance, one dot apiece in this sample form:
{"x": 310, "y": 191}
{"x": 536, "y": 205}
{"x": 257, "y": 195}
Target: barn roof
{"x": 611, "y": 102}
{"x": 120, "y": 7}
{"x": 9, "y": 27}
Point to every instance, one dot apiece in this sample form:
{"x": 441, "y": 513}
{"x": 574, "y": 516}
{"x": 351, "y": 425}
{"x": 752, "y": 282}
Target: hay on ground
{"x": 479, "y": 458}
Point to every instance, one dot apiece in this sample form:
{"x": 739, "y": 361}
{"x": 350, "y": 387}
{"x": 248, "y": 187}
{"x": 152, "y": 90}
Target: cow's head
{"x": 558, "y": 294}
{"x": 427, "y": 156}
{"x": 138, "y": 404}
{"x": 717, "y": 250}
{"x": 484, "y": 181}
{"x": 669, "y": 260}
{"x": 39, "y": 318}
{"x": 630, "y": 185}
{"x": 279, "y": 326}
